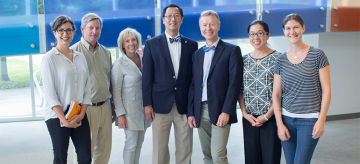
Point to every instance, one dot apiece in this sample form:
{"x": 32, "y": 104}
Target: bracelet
{"x": 266, "y": 119}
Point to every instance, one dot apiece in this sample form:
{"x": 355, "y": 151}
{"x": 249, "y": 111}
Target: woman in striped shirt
{"x": 301, "y": 93}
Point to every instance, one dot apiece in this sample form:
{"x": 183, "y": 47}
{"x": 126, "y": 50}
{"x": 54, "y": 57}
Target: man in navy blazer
{"x": 166, "y": 78}
{"x": 215, "y": 87}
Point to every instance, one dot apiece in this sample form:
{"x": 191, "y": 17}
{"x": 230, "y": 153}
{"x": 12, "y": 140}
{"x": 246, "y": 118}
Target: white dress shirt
{"x": 64, "y": 81}
{"x": 175, "y": 53}
{"x": 206, "y": 68}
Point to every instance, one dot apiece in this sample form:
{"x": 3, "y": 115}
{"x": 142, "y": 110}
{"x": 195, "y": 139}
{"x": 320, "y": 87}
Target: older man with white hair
{"x": 101, "y": 114}
{"x": 215, "y": 87}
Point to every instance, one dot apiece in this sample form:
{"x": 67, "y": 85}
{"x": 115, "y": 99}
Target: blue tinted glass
{"x": 19, "y": 27}
{"x": 116, "y": 15}
{"x": 234, "y": 16}
{"x": 309, "y": 10}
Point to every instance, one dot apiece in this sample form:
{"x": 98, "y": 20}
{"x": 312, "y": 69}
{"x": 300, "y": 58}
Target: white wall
{"x": 343, "y": 52}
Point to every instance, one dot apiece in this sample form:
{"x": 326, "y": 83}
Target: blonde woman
{"x": 126, "y": 78}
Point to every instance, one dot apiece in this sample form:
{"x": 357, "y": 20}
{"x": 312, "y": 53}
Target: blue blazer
{"x": 159, "y": 86}
{"x": 223, "y": 84}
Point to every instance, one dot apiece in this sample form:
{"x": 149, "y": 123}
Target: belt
{"x": 99, "y": 103}
{"x": 204, "y": 102}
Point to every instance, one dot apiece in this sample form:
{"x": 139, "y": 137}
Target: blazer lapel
{"x": 166, "y": 52}
{"x": 131, "y": 65}
{"x": 218, "y": 50}
{"x": 183, "y": 52}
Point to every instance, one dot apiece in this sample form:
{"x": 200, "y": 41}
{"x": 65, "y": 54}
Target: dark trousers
{"x": 261, "y": 144}
{"x": 80, "y": 136}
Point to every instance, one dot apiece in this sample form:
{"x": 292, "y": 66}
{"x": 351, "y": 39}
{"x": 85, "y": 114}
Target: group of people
{"x": 284, "y": 97}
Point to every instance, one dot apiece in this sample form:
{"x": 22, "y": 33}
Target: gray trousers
{"x": 133, "y": 143}
{"x": 213, "y": 139}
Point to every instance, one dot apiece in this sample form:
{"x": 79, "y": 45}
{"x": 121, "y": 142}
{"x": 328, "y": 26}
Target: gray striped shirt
{"x": 301, "y": 88}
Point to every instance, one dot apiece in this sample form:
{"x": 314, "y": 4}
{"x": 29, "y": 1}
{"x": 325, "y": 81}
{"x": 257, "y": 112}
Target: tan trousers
{"x": 101, "y": 133}
{"x": 213, "y": 139}
{"x": 161, "y": 126}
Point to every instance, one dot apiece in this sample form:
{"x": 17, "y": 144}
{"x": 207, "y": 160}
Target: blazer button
{"x": 174, "y": 77}
{"x": 200, "y": 88}
{"x": 175, "y": 88}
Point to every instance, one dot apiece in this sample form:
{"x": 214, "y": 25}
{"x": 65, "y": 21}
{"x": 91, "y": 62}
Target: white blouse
{"x": 64, "y": 81}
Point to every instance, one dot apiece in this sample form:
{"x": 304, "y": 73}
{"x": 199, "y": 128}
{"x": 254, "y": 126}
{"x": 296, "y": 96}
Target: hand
{"x": 252, "y": 119}
{"x": 283, "y": 133}
{"x": 192, "y": 122}
{"x": 113, "y": 115}
{"x": 318, "y": 130}
{"x": 261, "y": 120}
{"x": 223, "y": 119}
{"x": 122, "y": 122}
{"x": 72, "y": 123}
{"x": 149, "y": 111}
{"x": 77, "y": 118}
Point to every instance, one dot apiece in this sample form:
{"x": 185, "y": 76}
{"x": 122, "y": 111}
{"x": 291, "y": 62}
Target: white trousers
{"x": 133, "y": 143}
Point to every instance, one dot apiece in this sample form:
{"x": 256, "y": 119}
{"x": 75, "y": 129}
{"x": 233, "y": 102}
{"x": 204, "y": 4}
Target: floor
{"x": 29, "y": 142}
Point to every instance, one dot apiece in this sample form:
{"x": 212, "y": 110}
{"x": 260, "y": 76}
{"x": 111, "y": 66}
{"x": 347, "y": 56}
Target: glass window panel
{"x": 116, "y": 15}
{"x": 309, "y": 10}
{"x": 234, "y": 16}
{"x": 15, "y": 93}
{"x": 19, "y": 27}
{"x": 38, "y": 85}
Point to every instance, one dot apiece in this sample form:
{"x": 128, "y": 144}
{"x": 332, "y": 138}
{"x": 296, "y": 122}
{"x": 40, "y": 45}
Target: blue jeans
{"x": 299, "y": 149}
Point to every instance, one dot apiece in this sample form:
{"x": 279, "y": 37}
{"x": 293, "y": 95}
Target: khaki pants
{"x": 213, "y": 139}
{"x": 161, "y": 126}
{"x": 101, "y": 133}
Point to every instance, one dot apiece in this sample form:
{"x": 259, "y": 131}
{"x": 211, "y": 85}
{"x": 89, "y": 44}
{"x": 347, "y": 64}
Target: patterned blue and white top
{"x": 258, "y": 83}
{"x": 300, "y": 83}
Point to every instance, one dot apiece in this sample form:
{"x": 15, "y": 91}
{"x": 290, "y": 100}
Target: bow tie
{"x": 207, "y": 49}
{"x": 176, "y": 39}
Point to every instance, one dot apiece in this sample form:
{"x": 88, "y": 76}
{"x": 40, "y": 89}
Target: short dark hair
{"x": 60, "y": 20}
{"x": 172, "y": 5}
{"x": 295, "y": 17}
{"x": 260, "y": 22}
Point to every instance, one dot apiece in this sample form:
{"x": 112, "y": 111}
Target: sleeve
{"x": 117, "y": 78}
{"x": 242, "y": 81}
{"x": 322, "y": 60}
{"x": 235, "y": 80}
{"x": 277, "y": 66}
{"x": 191, "y": 96}
{"x": 48, "y": 78}
{"x": 87, "y": 90}
{"x": 147, "y": 75}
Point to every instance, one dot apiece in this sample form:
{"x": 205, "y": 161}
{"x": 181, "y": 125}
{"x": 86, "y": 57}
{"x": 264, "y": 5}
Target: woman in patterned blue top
{"x": 301, "y": 95}
{"x": 261, "y": 142}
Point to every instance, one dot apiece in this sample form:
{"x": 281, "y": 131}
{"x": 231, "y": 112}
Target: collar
{"x": 57, "y": 52}
{"x": 215, "y": 44}
{"x": 168, "y": 36}
{"x": 87, "y": 45}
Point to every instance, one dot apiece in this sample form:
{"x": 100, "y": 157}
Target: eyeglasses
{"x": 68, "y": 31}
{"x": 169, "y": 17}
{"x": 259, "y": 34}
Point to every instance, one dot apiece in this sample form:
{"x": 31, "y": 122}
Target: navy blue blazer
{"x": 223, "y": 83}
{"x": 160, "y": 88}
